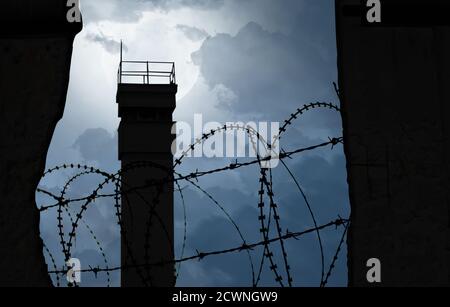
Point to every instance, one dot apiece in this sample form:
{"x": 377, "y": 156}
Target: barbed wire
{"x": 55, "y": 267}
{"x": 109, "y": 177}
{"x": 91, "y": 232}
{"x": 324, "y": 282}
{"x": 122, "y": 192}
{"x": 203, "y": 255}
{"x": 194, "y": 175}
{"x": 265, "y": 233}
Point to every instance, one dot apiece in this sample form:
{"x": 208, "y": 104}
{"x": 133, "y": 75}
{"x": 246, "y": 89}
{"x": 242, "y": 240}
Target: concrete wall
{"x": 34, "y": 75}
{"x": 395, "y": 92}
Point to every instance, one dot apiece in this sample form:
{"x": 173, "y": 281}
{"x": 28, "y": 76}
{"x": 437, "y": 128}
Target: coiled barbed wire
{"x": 121, "y": 192}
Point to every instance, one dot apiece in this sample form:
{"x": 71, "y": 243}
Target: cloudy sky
{"x": 236, "y": 60}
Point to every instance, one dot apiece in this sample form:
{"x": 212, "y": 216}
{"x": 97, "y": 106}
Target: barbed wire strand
{"x": 268, "y": 184}
{"x": 202, "y": 255}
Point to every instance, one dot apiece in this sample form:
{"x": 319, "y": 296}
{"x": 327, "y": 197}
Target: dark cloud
{"x": 108, "y": 43}
{"x": 270, "y": 72}
{"x": 193, "y": 33}
{"x": 100, "y": 146}
{"x": 263, "y": 69}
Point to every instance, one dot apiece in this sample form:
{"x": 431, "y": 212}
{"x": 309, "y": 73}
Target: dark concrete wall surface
{"x": 34, "y": 76}
{"x": 395, "y": 92}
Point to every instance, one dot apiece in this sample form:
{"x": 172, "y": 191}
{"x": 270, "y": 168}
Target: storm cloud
{"x": 265, "y": 69}
{"x": 109, "y": 44}
{"x": 193, "y": 33}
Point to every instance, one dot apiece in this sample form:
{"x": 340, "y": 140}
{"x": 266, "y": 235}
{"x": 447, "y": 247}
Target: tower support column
{"x": 145, "y": 140}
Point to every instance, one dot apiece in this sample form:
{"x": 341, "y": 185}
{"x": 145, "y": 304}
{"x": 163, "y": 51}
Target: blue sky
{"x": 236, "y": 60}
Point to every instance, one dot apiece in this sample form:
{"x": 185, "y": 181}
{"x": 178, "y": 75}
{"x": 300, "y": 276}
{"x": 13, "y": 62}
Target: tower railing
{"x": 146, "y": 72}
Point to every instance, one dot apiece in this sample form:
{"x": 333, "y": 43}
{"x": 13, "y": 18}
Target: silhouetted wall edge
{"x": 393, "y": 83}
{"x": 34, "y": 77}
